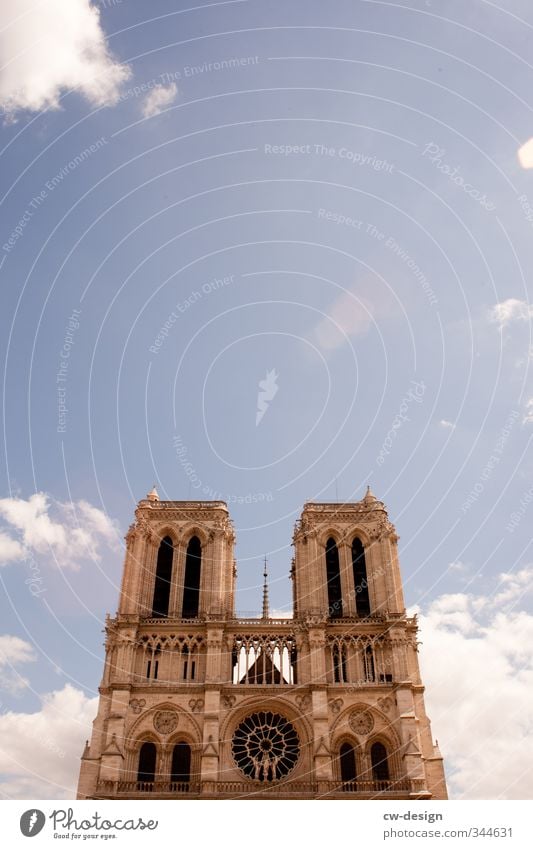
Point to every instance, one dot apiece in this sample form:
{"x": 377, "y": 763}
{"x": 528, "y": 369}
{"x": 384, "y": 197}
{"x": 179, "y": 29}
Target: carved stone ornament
{"x": 137, "y": 705}
{"x": 361, "y": 721}
{"x": 166, "y": 721}
{"x": 196, "y": 705}
{"x": 335, "y": 705}
{"x": 303, "y": 702}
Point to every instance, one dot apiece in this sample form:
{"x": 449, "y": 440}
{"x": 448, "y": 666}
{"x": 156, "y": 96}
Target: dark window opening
{"x": 333, "y": 576}
{"x": 347, "y": 761}
{"x": 148, "y": 668}
{"x": 156, "y": 668}
{"x": 147, "y": 758}
{"x": 369, "y": 664}
{"x": 163, "y": 579}
{"x": 362, "y": 599}
{"x": 380, "y": 764}
{"x": 336, "y": 666}
{"x": 181, "y": 763}
{"x": 191, "y": 583}
{"x": 193, "y": 666}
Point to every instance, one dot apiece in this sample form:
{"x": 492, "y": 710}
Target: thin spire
{"x": 266, "y": 614}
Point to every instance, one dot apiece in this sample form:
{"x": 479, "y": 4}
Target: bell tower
{"x": 179, "y": 560}
{"x": 346, "y": 561}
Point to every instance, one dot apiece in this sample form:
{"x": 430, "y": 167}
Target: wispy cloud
{"x": 446, "y": 424}
{"x": 348, "y": 316}
{"x": 158, "y": 99}
{"x": 49, "y": 48}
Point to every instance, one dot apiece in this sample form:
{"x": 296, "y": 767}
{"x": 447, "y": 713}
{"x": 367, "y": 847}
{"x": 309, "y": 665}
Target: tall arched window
{"x": 191, "y": 583}
{"x": 380, "y": 763}
{"x": 362, "y": 599}
{"x": 333, "y": 576}
{"x": 370, "y": 669}
{"x": 181, "y": 763}
{"x": 147, "y": 758}
{"x": 347, "y": 763}
{"x": 163, "y": 578}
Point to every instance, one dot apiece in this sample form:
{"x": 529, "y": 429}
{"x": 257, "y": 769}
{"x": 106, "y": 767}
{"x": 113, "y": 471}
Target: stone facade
{"x": 196, "y": 703}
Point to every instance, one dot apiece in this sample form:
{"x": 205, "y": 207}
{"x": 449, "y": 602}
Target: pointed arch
{"x": 163, "y": 578}
{"x": 180, "y": 769}
{"x": 380, "y": 762}
{"x": 347, "y": 764}
{"x": 360, "y": 580}
{"x": 147, "y": 762}
{"x": 191, "y": 582}
{"x": 333, "y": 578}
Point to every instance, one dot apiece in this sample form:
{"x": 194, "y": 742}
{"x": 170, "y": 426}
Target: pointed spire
{"x": 266, "y": 613}
{"x": 153, "y": 495}
{"x": 369, "y": 498}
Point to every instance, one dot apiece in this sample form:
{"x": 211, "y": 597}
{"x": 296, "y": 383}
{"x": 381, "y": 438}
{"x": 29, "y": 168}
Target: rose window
{"x": 265, "y": 746}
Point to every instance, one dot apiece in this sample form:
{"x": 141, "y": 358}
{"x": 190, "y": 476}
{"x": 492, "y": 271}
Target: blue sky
{"x": 337, "y": 195}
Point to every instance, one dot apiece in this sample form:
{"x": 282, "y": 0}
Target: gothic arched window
{"x": 191, "y": 583}
{"x": 333, "y": 577}
{"x": 347, "y": 763}
{"x": 181, "y": 763}
{"x": 163, "y": 578}
{"x": 147, "y": 758}
{"x": 380, "y": 763}
{"x": 362, "y": 599}
{"x": 370, "y": 669}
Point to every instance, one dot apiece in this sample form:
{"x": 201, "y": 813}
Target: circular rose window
{"x": 265, "y": 746}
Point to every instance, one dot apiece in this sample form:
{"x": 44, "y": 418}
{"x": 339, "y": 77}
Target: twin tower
{"x": 197, "y": 703}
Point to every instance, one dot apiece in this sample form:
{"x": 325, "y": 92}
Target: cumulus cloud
{"x": 10, "y": 549}
{"x": 13, "y": 652}
{"x": 445, "y": 423}
{"x": 47, "y": 48}
{"x": 525, "y": 154}
{"x": 509, "y": 311}
{"x": 46, "y": 526}
{"x": 40, "y": 752}
{"x": 477, "y": 666}
{"x": 158, "y": 99}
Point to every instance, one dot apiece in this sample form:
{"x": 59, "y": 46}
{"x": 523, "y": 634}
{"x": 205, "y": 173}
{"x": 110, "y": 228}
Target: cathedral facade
{"x": 197, "y": 703}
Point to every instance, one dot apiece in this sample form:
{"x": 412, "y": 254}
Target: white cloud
{"x": 528, "y": 415}
{"x": 40, "y": 752}
{"x": 69, "y": 532}
{"x": 13, "y": 652}
{"x": 10, "y": 549}
{"x": 477, "y": 667}
{"x": 510, "y": 310}
{"x": 347, "y": 316}
{"x": 525, "y": 154}
{"x": 158, "y": 99}
{"x": 281, "y": 614}
{"x": 47, "y": 48}
{"x": 445, "y": 423}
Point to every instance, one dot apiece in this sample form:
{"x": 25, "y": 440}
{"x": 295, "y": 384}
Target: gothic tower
{"x": 196, "y": 703}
